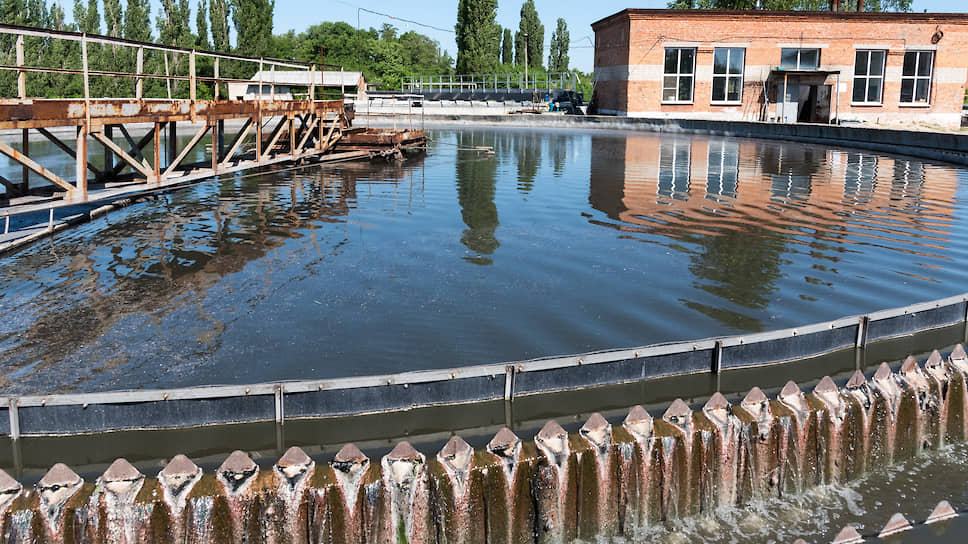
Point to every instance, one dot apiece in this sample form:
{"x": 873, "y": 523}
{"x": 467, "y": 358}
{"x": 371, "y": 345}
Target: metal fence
{"x": 509, "y": 83}
{"x": 177, "y": 408}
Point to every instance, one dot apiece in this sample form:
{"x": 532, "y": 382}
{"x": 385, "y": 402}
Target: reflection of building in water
{"x": 782, "y": 187}
{"x": 740, "y": 205}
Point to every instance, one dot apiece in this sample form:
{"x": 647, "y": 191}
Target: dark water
{"x": 560, "y": 242}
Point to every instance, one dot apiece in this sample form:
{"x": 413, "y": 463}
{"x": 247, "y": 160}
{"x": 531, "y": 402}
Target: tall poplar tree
{"x": 531, "y": 26}
{"x": 478, "y": 36}
{"x": 560, "y": 42}
{"x": 253, "y": 26}
{"x": 201, "y": 26}
{"x": 507, "y": 48}
{"x": 218, "y": 18}
{"x": 174, "y": 29}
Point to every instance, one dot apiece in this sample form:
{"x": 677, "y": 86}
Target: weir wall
{"x": 60, "y": 414}
{"x": 605, "y": 480}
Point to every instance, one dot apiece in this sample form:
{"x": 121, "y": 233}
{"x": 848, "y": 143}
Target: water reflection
{"x": 476, "y": 178}
{"x": 605, "y": 240}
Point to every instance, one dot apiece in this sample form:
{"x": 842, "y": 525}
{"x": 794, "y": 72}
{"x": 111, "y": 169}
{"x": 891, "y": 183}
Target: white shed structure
{"x": 287, "y": 85}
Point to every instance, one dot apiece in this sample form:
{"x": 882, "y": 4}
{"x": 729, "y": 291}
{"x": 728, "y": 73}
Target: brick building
{"x": 782, "y": 66}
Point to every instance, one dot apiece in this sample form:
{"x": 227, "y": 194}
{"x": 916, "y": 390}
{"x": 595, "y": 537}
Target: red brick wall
{"x": 630, "y": 48}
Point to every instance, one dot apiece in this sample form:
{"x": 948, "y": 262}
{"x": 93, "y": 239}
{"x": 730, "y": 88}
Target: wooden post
{"x": 191, "y": 78}
{"x": 108, "y": 131}
{"x": 272, "y": 84}
{"x": 21, "y": 75}
{"x": 80, "y": 171}
{"x": 172, "y": 151}
{"x": 167, "y": 80}
{"x": 216, "y": 126}
{"x": 139, "y": 83}
{"x": 216, "y": 79}
{"x": 87, "y": 84}
{"x": 292, "y": 135}
{"x": 312, "y": 83}
{"x": 258, "y": 121}
{"x": 25, "y": 149}
{"x": 221, "y": 138}
{"x": 157, "y": 152}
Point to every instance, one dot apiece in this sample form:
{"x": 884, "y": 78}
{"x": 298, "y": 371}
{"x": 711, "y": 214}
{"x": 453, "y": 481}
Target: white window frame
{"x": 730, "y": 51}
{"x": 867, "y": 77}
{"x": 679, "y": 75}
{"x": 800, "y": 51}
{"x": 914, "y": 79}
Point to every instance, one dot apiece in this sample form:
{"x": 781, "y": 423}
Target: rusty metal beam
{"x": 184, "y": 152}
{"x": 32, "y": 165}
{"x": 12, "y": 188}
{"x": 66, "y": 149}
{"x": 116, "y": 149}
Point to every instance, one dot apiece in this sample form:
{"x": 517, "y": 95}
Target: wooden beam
{"x": 136, "y": 148}
{"x": 238, "y": 141}
{"x": 29, "y": 163}
{"x": 307, "y": 133}
{"x": 324, "y": 145}
{"x": 106, "y": 142}
{"x": 275, "y": 139}
{"x": 184, "y": 152}
{"x": 66, "y": 149}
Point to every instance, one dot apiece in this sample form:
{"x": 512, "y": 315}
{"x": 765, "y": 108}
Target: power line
{"x": 394, "y": 17}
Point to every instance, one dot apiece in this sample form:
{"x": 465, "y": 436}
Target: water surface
{"x": 558, "y": 242}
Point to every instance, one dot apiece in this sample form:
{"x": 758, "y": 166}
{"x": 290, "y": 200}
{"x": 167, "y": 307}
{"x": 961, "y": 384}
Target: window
{"x": 868, "y": 77}
{"x": 680, "y": 64}
{"x": 728, "y": 74}
{"x": 916, "y": 77}
{"x": 799, "y": 59}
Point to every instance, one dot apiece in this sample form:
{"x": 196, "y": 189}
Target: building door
{"x": 822, "y": 112}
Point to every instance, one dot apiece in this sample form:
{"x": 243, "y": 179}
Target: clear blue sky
{"x": 300, "y": 14}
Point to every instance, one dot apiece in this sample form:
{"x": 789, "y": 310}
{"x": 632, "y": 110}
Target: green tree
{"x": 560, "y": 42}
{"x": 478, "y": 37}
{"x": 253, "y": 26}
{"x": 201, "y": 26}
{"x": 218, "y": 17}
{"x": 530, "y": 35}
{"x": 174, "y": 29}
{"x": 137, "y": 27}
{"x": 507, "y": 48}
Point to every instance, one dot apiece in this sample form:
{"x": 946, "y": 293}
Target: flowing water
{"x": 558, "y": 242}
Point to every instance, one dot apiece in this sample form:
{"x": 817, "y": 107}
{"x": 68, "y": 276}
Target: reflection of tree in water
{"x": 162, "y": 258}
{"x": 741, "y": 267}
{"x": 558, "y": 148}
{"x": 527, "y": 153}
{"x": 476, "y": 178}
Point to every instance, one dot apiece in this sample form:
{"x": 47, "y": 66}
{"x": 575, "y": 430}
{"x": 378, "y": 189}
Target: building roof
{"x": 872, "y": 16}
{"x": 328, "y": 78}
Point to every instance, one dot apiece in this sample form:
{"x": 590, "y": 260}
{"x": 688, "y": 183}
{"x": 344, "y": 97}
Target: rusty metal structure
{"x": 140, "y": 135}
